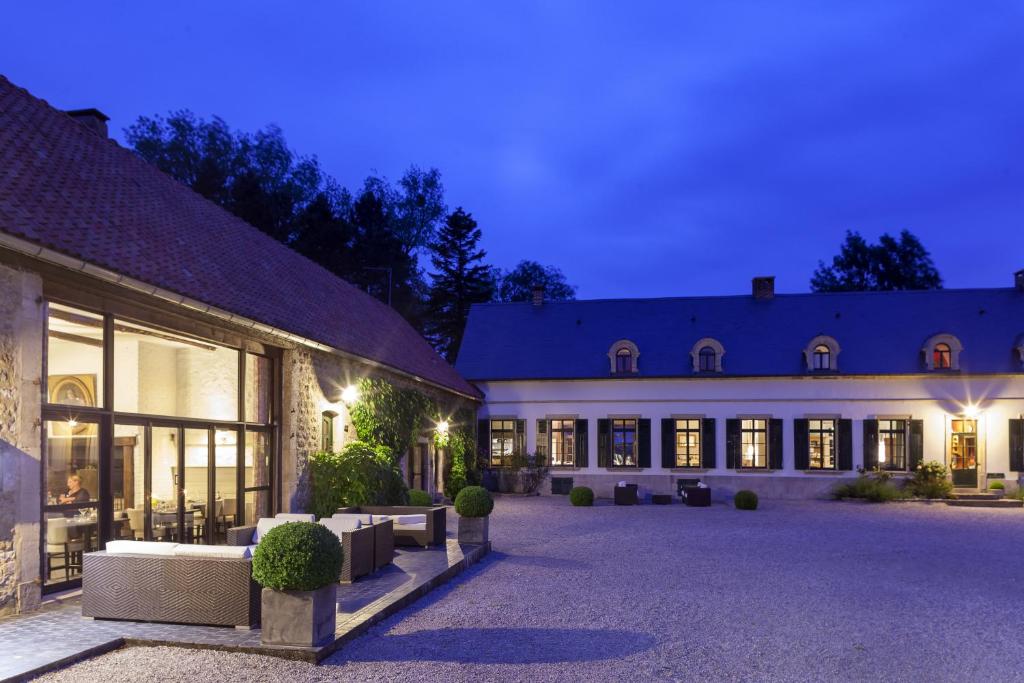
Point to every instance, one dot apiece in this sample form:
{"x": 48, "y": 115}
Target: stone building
{"x": 165, "y": 368}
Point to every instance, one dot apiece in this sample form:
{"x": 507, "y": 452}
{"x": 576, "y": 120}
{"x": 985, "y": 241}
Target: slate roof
{"x": 878, "y": 333}
{"x": 68, "y": 189}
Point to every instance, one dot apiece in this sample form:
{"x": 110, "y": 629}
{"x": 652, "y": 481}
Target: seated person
{"x": 75, "y": 492}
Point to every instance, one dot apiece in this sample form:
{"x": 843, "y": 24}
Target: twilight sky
{"x": 646, "y": 148}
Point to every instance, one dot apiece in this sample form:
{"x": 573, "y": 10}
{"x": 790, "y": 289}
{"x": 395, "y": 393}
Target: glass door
{"x": 162, "y": 468}
{"x": 964, "y": 453}
{"x": 71, "y": 476}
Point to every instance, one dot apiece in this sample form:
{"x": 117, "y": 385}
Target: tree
{"x": 518, "y": 283}
{"x": 460, "y": 280}
{"x": 891, "y": 264}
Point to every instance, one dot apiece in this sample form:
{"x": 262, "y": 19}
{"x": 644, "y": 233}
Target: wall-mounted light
{"x": 442, "y": 428}
{"x": 971, "y": 411}
{"x": 350, "y": 395}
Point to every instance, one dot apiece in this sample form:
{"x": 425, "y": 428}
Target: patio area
{"x": 59, "y": 634}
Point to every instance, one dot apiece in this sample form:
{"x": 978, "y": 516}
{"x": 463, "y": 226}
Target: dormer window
{"x": 706, "y": 355}
{"x": 822, "y": 357}
{"x": 822, "y": 354}
{"x": 942, "y": 352}
{"x": 623, "y": 355}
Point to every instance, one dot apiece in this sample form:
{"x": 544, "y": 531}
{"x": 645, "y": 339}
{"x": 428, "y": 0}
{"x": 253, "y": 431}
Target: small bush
{"x": 997, "y": 486}
{"x": 581, "y": 496}
{"x": 360, "y": 474}
{"x": 930, "y": 481}
{"x": 474, "y": 501}
{"x": 745, "y": 500}
{"x": 297, "y": 556}
{"x": 420, "y": 498}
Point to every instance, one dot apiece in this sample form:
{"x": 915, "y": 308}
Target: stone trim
{"x": 955, "y": 347}
{"x": 833, "y": 351}
{"x": 701, "y": 343}
{"x": 631, "y": 347}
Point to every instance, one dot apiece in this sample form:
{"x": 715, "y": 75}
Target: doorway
{"x": 964, "y": 453}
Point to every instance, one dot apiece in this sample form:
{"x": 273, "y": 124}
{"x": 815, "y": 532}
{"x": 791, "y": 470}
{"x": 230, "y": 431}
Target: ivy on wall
{"x": 388, "y": 416}
{"x": 462, "y": 461}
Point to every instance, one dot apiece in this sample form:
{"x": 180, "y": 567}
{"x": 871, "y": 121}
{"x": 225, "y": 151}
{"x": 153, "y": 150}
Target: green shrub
{"x": 581, "y": 496}
{"x": 930, "y": 481}
{"x": 745, "y": 500}
{"x": 297, "y": 556}
{"x": 474, "y": 501}
{"x": 997, "y": 486}
{"x": 874, "y": 487}
{"x": 360, "y": 474}
{"x": 420, "y": 498}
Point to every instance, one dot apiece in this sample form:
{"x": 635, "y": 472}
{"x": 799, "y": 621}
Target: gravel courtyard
{"x": 793, "y": 591}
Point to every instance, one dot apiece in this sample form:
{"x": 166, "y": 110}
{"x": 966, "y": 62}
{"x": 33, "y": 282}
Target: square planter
{"x": 299, "y": 618}
{"x": 473, "y": 530}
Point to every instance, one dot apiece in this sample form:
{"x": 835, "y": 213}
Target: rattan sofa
{"x": 213, "y": 591}
{"x": 357, "y": 545}
{"x": 433, "y": 533}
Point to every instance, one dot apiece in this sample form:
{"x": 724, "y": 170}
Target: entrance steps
{"x": 974, "y": 499}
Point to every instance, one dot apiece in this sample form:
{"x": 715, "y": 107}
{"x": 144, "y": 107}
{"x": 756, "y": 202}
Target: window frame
{"x": 904, "y": 439}
{"x": 821, "y": 431}
{"x": 753, "y": 431}
{"x": 688, "y": 429}
{"x": 502, "y": 459}
{"x": 634, "y": 429}
{"x": 563, "y": 431}
{"x": 623, "y": 361}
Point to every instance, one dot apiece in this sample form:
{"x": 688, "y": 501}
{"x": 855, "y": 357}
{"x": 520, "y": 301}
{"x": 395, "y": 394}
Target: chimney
{"x": 93, "y": 119}
{"x": 538, "y": 295}
{"x": 764, "y": 287}
{"x": 1018, "y": 280}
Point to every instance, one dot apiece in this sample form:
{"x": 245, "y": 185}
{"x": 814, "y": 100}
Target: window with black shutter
{"x": 1017, "y": 445}
{"x": 753, "y": 444}
{"x": 604, "y": 443}
{"x": 845, "y": 445}
{"x": 563, "y": 442}
{"x": 733, "y": 443}
{"x": 707, "y": 444}
{"x": 581, "y": 443}
{"x": 643, "y": 443}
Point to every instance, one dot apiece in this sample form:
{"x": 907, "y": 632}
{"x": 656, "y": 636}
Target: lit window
{"x": 503, "y": 438}
{"x": 822, "y": 357}
{"x": 754, "y": 444}
{"x": 822, "y": 444}
{"x": 623, "y": 360}
{"x": 624, "y": 443}
{"x": 688, "y": 443}
{"x": 707, "y": 359}
{"x": 563, "y": 439}
{"x": 892, "y": 445}
{"x": 942, "y": 357}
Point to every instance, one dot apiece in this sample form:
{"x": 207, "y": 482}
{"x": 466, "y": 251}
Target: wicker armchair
{"x": 435, "y": 532}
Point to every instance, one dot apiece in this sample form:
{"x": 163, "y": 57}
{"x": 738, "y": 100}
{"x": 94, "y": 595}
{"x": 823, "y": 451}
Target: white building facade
{"x": 802, "y": 411}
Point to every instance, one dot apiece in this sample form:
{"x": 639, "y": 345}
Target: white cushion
{"x": 381, "y": 518}
{"x": 340, "y": 526}
{"x": 411, "y": 527}
{"x": 363, "y": 519}
{"x": 229, "y": 551}
{"x": 295, "y": 517}
{"x": 410, "y": 519}
{"x": 140, "y": 548}
{"x": 266, "y": 524}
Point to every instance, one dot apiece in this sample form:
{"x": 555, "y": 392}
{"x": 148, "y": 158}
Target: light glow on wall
{"x": 350, "y": 394}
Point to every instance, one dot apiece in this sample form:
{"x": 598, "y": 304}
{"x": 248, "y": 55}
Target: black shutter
{"x": 1017, "y": 445}
{"x": 775, "y": 460}
{"x": 801, "y": 444}
{"x": 604, "y": 443}
{"x": 483, "y": 441}
{"x": 845, "y": 459}
{"x": 581, "y": 443}
{"x": 707, "y": 443}
{"x": 668, "y": 443}
{"x": 870, "y": 444}
{"x": 520, "y": 442}
{"x": 733, "y": 443}
{"x": 643, "y": 443}
{"x": 916, "y": 449}
{"x": 542, "y": 442}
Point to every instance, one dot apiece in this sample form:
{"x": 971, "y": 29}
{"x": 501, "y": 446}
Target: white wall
{"x": 930, "y": 398}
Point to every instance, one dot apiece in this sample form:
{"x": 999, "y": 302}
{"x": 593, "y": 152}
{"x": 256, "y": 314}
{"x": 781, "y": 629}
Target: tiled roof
{"x": 877, "y": 332}
{"x": 65, "y": 188}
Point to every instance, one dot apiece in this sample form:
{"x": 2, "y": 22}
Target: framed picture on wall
{"x": 73, "y": 390}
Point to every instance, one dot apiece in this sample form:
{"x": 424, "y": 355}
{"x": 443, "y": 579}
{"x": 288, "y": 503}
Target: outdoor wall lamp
{"x": 442, "y": 428}
{"x": 350, "y": 395}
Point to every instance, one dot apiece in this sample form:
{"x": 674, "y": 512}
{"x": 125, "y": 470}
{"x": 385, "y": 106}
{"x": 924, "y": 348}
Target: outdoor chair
{"x": 627, "y": 495}
{"x": 429, "y": 527}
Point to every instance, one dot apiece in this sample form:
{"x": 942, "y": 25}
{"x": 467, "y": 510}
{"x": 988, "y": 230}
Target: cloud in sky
{"x": 645, "y": 148}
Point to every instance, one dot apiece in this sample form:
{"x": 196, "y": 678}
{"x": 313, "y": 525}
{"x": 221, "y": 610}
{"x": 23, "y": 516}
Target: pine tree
{"x": 460, "y": 279}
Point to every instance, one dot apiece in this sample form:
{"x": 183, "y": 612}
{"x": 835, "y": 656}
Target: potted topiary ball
{"x": 474, "y": 505}
{"x": 298, "y": 564}
{"x": 745, "y": 500}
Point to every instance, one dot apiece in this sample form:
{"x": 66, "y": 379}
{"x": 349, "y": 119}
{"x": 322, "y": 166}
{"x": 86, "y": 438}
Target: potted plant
{"x": 474, "y": 505}
{"x": 997, "y": 487}
{"x": 298, "y": 564}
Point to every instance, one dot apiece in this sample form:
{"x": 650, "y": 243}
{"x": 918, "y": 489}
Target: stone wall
{"x": 21, "y": 340}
